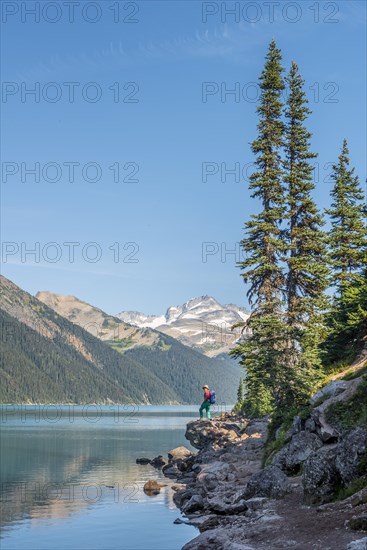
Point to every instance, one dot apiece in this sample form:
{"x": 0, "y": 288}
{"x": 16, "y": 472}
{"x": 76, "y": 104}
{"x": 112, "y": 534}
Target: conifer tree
{"x": 262, "y": 240}
{"x": 261, "y": 353}
{"x": 306, "y": 255}
{"x": 348, "y": 260}
{"x": 348, "y": 234}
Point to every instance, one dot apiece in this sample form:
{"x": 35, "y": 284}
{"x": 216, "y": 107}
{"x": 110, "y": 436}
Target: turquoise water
{"x": 70, "y": 481}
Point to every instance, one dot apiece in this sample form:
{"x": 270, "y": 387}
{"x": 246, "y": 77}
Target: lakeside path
{"x": 236, "y": 505}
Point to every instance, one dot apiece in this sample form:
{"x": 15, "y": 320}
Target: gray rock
{"x": 351, "y": 454}
{"x": 194, "y": 504}
{"x": 171, "y": 470}
{"x": 270, "y": 482}
{"x": 224, "y": 504}
{"x": 210, "y": 482}
{"x": 326, "y": 432}
{"x": 320, "y": 477}
{"x": 187, "y": 478}
{"x": 185, "y": 494}
{"x": 293, "y": 455}
{"x": 293, "y": 430}
{"x": 296, "y": 425}
{"x": 217, "y": 538}
{"x": 310, "y": 425}
{"x": 360, "y": 544}
{"x": 209, "y": 522}
{"x": 335, "y": 387}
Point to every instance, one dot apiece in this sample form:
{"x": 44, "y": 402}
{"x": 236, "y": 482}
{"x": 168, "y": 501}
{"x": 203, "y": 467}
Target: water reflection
{"x": 83, "y": 473}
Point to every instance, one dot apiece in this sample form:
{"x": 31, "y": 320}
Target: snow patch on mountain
{"x": 201, "y": 322}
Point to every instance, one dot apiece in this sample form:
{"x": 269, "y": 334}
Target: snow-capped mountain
{"x": 201, "y": 322}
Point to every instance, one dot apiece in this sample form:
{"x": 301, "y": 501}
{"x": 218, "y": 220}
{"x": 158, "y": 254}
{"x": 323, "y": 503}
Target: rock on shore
{"x": 236, "y": 505}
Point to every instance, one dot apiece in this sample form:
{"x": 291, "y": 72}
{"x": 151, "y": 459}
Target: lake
{"x": 70, "y": 481}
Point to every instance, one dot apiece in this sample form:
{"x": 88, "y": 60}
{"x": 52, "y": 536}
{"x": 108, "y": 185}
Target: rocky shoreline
{"x": 237, "y": 505}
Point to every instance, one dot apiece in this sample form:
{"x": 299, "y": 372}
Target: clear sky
{"x": 143, "y": 87}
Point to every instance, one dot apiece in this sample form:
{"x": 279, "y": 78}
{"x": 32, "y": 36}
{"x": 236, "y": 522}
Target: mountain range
{"x": 202, "y": 323}
{"x": 88, "y": 356}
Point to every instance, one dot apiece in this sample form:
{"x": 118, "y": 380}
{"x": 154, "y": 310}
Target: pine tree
{"x": 348, "y": 234}
{"x": 347, "y": 321}
{"x": 306, "y": 259}
{"x": 261, "y": 354}
{"x": 348, "y": 259}
{"x": 263, "y": 241}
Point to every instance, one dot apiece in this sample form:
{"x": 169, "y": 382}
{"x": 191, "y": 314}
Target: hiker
{"x": 206, "y": 403}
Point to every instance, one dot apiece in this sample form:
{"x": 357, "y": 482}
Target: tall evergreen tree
{"x": 348, "y": 234}
{"x": 261, "y": 353}
{"x": 262, "y": 241}
{"x": 306, "y": 255}
{"x": 348, "y": 259}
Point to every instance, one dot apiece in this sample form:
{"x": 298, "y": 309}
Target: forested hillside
{"x": 185, "y": 369}
{"x": 46, "y": 358}
{"x": 40, "y": 370}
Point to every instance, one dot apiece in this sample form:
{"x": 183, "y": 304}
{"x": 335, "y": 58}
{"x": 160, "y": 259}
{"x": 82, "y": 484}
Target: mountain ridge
{"x": 202, "y": 323}
{"x": 78, "y": 367}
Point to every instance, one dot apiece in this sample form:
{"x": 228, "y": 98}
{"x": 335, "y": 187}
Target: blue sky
{"x": 160, "y": 131}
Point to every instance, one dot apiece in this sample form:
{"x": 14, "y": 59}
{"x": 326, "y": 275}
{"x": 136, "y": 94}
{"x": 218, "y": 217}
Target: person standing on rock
{"x": 206, "y": 403}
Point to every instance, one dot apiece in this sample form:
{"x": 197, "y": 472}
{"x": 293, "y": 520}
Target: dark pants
{"x": 205, "y": 405}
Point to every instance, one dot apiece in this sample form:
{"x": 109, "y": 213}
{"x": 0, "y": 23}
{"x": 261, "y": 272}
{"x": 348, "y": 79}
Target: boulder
{"x": 187, "y": 478}
{"x": 203, "y": 436}
{"x": 294, "y": 429}
{"x": 219, "y": 505}
{"x": 143, "y": 460}
{"x": 351, "y": 455}
{"x": 194, "y": 504}
{"x": 210, "y": 482}
{"x": 335, "y": 387}
{"x": 181, "y": 495}
{"x": 320, "y": 477}
{"x": 326, "y": 432}
{"x": 310, "y": 425}
{"x": 218, "y": 538}
{"x": 270, "y": 482}
{"x": 158, "y": 462}
{"x": 179, "y": 453}
{"x": 209, "y": 522}
{"x": 171, "y": 470}
{"x": 293, "y": 455}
